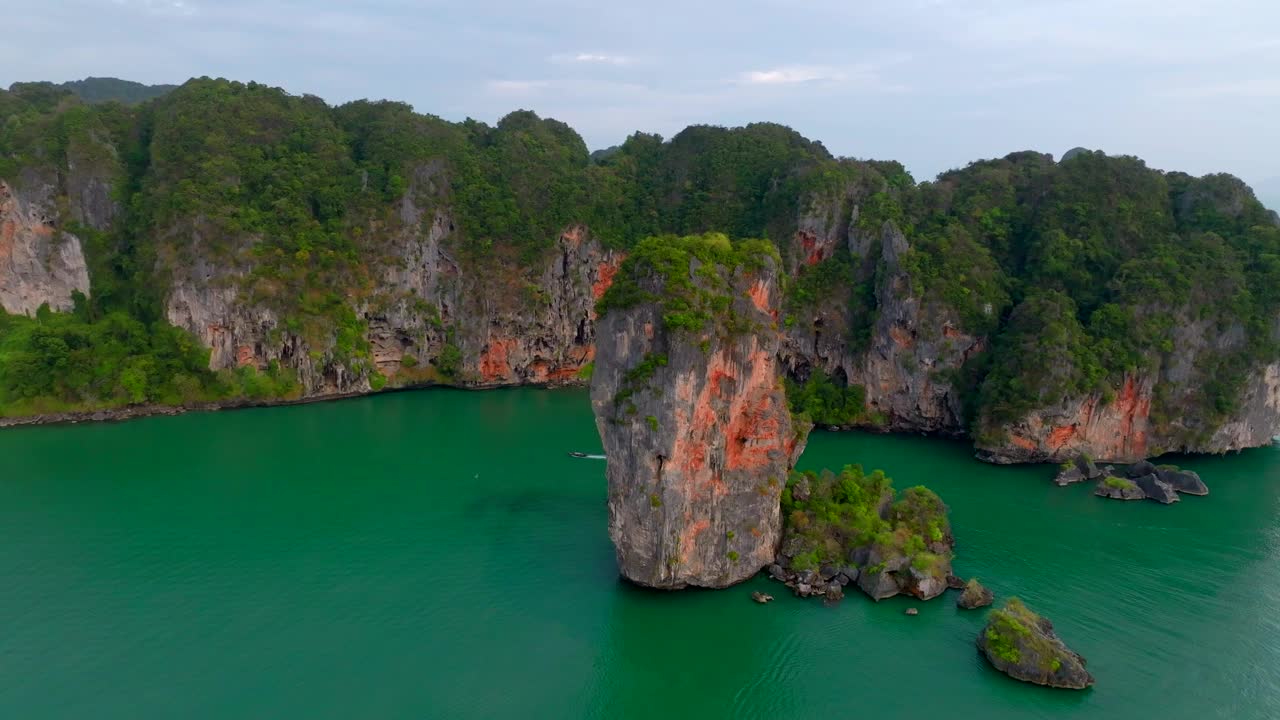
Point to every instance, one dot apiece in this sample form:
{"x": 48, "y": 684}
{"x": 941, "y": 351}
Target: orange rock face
{"x": 606, "y": 270}
{"x": 1117, "y": 431}
{"x": 495, "y": 366}
{"x": 700, "y": 450}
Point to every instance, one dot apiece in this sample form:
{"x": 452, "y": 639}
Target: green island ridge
{"x": 239, "y": 243}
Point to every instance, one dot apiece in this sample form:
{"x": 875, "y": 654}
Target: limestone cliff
{"x": 432, "y": 314}
{"x": 39, "y": 262}
{"x": 905, "y": 360}
{"x": 695, "y": 426}
{"x": 346, "y": 249}
{"x": 1145, "y": 417}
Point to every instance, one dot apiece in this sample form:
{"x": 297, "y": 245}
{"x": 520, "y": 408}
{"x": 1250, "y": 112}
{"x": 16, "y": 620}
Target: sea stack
{"x": 692, "y": 413}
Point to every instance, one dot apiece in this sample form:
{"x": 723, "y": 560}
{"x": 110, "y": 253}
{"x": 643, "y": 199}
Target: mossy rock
{"x": 1118, "y": 488}
{"x": 1024, "y": 646}
{"x": 975, "y": 595}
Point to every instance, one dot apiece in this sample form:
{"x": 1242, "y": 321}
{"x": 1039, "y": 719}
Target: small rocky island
{"x": 691, "y": 412}
{"x": 1023, "y": 645}
{"x": 852, "y": 528}
{"x": 1140, "y": 481}
{"x": 975, "y": 595}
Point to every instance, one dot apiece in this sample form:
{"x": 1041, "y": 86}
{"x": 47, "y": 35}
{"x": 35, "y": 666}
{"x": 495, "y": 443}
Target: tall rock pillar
{"x": 691, "y": 412}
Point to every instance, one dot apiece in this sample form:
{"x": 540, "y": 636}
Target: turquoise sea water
{"x": 436, "y": 554}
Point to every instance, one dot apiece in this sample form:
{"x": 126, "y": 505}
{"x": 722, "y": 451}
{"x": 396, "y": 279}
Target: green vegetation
{"x": 690, "y": 278}
{"x": 638, "y": 377}
{"x": 1079, "y": 273}
{"x": 830, "y": 518}
{"x": 825, "y": 402}
{"x": 1117, "y": 483}
{"x": 60, "y": 362}
{"x": 100, "y": 90}
{"x": 1009, "y": 636}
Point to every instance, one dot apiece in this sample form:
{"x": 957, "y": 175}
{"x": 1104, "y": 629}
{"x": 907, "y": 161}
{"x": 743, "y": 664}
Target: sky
{"x": 1185, "y": 84}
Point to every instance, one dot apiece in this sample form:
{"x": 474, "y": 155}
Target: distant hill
{"x": 98, "y": 90}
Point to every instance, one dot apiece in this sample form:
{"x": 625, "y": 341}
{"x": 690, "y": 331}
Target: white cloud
{"x": 515, "y": 87}
{"x": 600, "y": 59}
{"x": 160, "y": 7}
{"x": 865, "y": 76}
{"x": 1247, "y": 88}
{"x": 791, "y": 75}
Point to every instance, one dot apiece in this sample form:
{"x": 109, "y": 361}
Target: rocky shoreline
{"x": 136, "y": 412}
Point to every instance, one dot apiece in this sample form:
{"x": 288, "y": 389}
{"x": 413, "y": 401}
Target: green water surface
{"x": 436, "y": 554}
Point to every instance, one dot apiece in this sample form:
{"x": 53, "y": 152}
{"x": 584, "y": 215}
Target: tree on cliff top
{"x": 688, "y": 277}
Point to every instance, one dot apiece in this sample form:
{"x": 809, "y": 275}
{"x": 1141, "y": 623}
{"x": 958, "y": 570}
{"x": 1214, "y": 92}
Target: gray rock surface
{"x": 975, "y": 595}
{"x": 1183, "y": 481}
{"x": 1155, "y": 489}
{"x": 1119, "y": 489}
{"x": 878, "y": 585}
{"x": 699, "y": 446}
{"x": 39, "y": 262}
{"x": 1024, "y": 646}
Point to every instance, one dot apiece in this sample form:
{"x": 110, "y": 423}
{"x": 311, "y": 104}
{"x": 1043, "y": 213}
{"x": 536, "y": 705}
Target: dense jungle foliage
{"x": 1078, "y": 271}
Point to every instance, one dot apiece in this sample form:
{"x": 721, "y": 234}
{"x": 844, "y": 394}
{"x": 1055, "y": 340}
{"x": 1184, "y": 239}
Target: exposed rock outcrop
{"x": 1117, "y": 431}
{"x": 1118, "y": 488}
{"x": 1078, "y": 470}
{"x": 1124, "y": 428}
{"x": 1186, "y": 482}
{"x": 1144, "y": 479}
{"x": 914, "y": 343}
{"x": 1156, "y": 489}
{"x": 500, "y": 325}
{"x": 1024, "y": 646}
{"x": 975, "y": 595}
{"x": 39, "y": 262}
{"x": 695, "y": 426}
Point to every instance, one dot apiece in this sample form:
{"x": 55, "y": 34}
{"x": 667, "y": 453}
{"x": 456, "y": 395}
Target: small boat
{"x": 574, "y": 453}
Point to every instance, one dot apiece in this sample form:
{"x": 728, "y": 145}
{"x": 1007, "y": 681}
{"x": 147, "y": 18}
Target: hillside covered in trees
{"x": 324, "y": 233}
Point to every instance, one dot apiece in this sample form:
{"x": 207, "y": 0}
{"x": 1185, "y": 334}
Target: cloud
{"x": 791, "y": 75}
{"x": 594, "y": 59}
{"x": 160, "y": 7}
{"x": 1247, "y": 88}
{"x": 516, "y": 87}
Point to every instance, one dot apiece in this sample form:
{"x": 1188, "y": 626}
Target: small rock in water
{"x": 1118, "y": 488}
{"x": 954, "y": 583}
{"x": 835, "y": 591}
{"x": 1023, "y": 645}
{"x": 975, "y": 595}
{"x": 1078, "y": 470}
{"x": 1156, "y": 489}
{"x": 1140, "y": 468}
{"x": 911, "y": 611}
{"x": 1068, "y": 476}
{"x": 761, "y": 597}
{"x": 1183, "y": 481}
